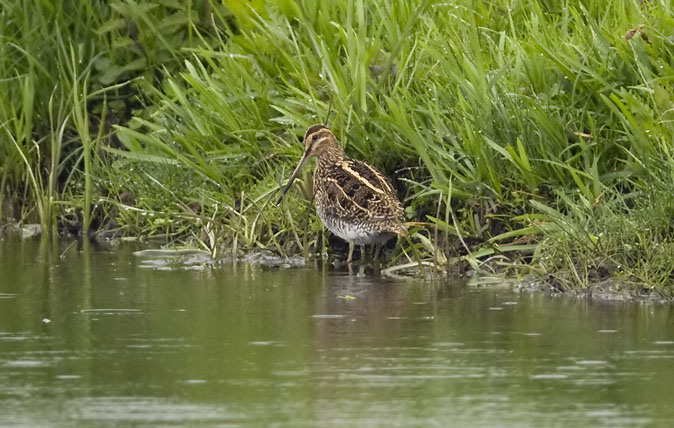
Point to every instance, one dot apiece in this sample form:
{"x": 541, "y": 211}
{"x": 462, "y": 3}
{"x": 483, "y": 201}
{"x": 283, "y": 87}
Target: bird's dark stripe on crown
{"x": 313, "y": 129}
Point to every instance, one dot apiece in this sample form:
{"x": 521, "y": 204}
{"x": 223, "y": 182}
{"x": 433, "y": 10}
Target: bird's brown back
{"x": 354, "y": 189}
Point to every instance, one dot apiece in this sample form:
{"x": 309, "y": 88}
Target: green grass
{"x": 534, "y": 136}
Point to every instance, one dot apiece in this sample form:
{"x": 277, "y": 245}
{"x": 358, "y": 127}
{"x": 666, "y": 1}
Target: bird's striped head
{"x": 317, "y": 140}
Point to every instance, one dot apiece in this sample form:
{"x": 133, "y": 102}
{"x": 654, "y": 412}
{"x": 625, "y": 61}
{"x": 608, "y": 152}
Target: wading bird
{"x": 353, "y": 200}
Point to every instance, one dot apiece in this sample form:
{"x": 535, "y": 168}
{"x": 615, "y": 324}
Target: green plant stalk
{"x": 81, "y": 120}
{"x": 35, "y": 184}
{"x": 56, "y": 137}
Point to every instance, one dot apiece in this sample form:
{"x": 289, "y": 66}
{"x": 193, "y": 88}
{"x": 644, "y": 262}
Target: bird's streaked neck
{"x": 333, "y": 154}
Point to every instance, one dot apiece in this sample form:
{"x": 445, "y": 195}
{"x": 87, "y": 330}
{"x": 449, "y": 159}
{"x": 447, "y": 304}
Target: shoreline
{"x": 610, "y": 289}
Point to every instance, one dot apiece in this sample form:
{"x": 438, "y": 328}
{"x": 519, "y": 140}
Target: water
{"x": 103, "y": 338}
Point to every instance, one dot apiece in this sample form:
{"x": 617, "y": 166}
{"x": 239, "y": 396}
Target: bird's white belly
{"x": 358, "y": 232}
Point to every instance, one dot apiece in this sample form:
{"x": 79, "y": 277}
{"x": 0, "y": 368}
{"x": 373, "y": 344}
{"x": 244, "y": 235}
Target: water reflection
{"x": 219, "y": 345}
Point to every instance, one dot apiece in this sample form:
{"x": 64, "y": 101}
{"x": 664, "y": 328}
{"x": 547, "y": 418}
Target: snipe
{"x": 353, "y": 200}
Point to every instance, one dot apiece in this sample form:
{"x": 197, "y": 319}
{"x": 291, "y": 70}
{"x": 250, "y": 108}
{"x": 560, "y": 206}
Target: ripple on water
{"x": 650, "y": 354}
{"x": 27, "y": 363}
{"x": 14, "y": 361}
{"x": 16, "y": 337}
{"x": 195, "y": 381}
{"x": 111, "y": 311}
{"x": 134, "y": 410}
{"x": 68, "y": 377}
{"x": 592, "y": 362}
{"x": 264, "y": 343}
{"x": 551, "y": 376}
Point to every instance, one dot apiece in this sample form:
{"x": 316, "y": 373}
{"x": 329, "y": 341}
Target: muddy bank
{"x": 162, "y": 258}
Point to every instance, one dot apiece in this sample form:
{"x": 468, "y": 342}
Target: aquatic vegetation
{"x": 531, "y": 137}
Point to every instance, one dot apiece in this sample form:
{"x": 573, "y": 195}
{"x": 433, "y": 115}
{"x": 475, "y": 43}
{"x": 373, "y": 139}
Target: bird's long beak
{"x": 294, "y": 175}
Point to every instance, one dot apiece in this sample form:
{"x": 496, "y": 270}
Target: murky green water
{"x": 102, "y": 338}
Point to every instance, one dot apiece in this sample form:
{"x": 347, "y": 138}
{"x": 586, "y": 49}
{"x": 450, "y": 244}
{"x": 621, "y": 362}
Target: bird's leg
{"x": 349, "y": 259}
{"x": 363, "y": 254}
{"x": 377, "y": 249}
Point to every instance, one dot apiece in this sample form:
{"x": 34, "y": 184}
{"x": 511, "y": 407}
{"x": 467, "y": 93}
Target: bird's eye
{"x": 315, "y": 137}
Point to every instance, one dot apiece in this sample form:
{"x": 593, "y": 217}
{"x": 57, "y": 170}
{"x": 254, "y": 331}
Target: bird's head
{"x": 318, "y": 140}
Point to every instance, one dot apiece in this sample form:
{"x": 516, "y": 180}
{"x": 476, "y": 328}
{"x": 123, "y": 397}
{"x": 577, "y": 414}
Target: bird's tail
{"x": 417, "y": 223}
{"x": 398, "y": 229}
{"x": 401, "y": 228}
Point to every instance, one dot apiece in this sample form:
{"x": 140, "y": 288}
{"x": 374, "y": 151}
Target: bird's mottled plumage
{"x": 353, "y": 199}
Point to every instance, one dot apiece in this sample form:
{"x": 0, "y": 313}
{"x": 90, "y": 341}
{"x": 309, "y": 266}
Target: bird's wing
{"x": 361, "y": 190}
